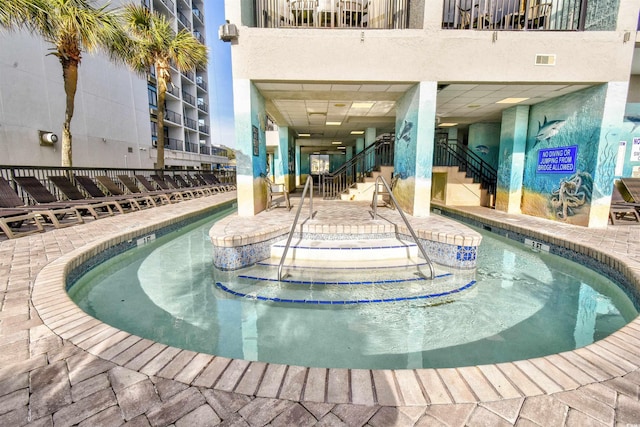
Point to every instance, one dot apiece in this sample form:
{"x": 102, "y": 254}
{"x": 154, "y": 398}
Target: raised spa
{"x": 518, "y": 304}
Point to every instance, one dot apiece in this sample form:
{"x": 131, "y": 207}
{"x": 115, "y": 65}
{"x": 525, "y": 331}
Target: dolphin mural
{"x": 405, "y": 132}
{"x": 482, "y": 149}
{"x": 548, "y": 129}
{"x": 633, "y": 119}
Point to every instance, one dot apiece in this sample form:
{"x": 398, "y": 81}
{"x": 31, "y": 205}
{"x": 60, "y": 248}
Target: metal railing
{"x": 183, "y": 19}
{"x": 384, "y": 14}
{"x": 203, "y": 129}
{"x": 374, "y": 203}
{"x": 189, "y": 98}
{"x": 379, "y": 153}
{"x": 201, "y": 83}
{"x": 466, "y": 161}
{"x": 191, "y": 123}
{"x": 192, "y": 147}
{"x": 203, "y": 106}
{"x": 197, "y": 13}
{"x": 308, "y": 186}
{"x": 205, "y": 150}
{"x": 42, "y": 173}
{"x": 172, "y": 116}
{"x": 557, "y": 15}
{"x": 169, "y": 4}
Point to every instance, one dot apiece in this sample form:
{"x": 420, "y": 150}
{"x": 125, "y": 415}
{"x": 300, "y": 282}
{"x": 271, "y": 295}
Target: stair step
{"x": 346, "y": 250}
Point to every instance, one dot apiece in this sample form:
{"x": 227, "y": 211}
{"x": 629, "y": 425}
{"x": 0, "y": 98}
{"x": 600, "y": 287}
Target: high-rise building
{"x": 114, "y": 123}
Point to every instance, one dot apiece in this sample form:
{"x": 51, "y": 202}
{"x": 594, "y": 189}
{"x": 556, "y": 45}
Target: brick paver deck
{"x": 61, "y": 367}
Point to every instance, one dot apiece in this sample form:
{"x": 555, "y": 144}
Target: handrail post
{"x": 295, "y": 222}
{"x": 404, "y": 218}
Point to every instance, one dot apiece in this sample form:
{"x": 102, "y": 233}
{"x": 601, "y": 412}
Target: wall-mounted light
{"x": 626, "y": 37}
{"x": 47, "y": 138}
{"x": 227, "y": 32}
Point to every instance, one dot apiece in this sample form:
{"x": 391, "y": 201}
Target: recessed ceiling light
{"x": 340, "y": 105}
{"x": 511, "y": 100}
{"x": 362, "y": 105}
{"x": 333, "y": 123}
{"x": 342, "y": 148}
{"x": 304, "y": 134}
{"x": 336, "y": 142}
{"x": 473, "y": 106}
{"x": 316, "y": 152}
{"x": 357, "y": 132}
{"x": 444, "y": 125}
{"x": 317, "y": 114}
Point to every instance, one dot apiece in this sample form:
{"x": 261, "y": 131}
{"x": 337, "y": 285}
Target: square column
{"x": 251, "y": 147}
{"x": 513, "y": 144}
{"x": 284, "y": 163}
{"x": 413, "y": 152}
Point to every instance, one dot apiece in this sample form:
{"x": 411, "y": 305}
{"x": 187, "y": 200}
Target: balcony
{"x": 205, "y": 150}
{"x": 190, "y": 123}
{"x": 556, "y": 15}
{"x": 169, "y": 4}
{"x": 203, "y": 129}
{"x": 202, "y": 106}
{"x": 198, "y": 14}
{"x": 189, "y": 74}
{"x": 199, "y": 36}
{"x": 173, "y": 117}
{"x": 183, "y": 19}
{"x": 170, "y": 143}
{"x": 192, "y": 147}
{"x": 201, "y": 83}
{"x": 189, "y": 98}
{"x": 384, "y": 14}
{"x": 173, "y": 90}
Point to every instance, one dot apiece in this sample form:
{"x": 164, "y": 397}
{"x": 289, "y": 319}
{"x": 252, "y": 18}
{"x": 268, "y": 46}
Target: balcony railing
{"x": 170, "y": 5}
{"x": 201, "y": 83}
{"x": 189, "y": 98}
{"x": 203, "y": 129}
{"x": 205, "y": 150}
{"x": 189, "y": 74}
{"x": 192, "y": 147}
{"x": 190, "y": 123}
{"x": 173, "y": 90}
{"x": 492, "y": 15}
{"x": 198, "y": 14}
{"x": 183, "y": 19}
{"x": 385, "y": 14}
{"x": 199, "y": 36}
{"x": 172, "y": 116}
{"x": 203, "y": 106}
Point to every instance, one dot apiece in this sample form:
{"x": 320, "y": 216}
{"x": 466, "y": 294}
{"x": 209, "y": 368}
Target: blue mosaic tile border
{"x": 119, "y": 248}
{"x": 344, "y": 283}
{"x": 611, "y": 273}
{"x": 345, "y": 302}
{"x": 234, "y": 258}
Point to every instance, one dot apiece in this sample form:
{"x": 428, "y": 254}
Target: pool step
{"x": 346, "y": 250}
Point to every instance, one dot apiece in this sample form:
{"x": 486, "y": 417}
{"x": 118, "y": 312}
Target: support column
{"x": 513, "y": 143}
{"x": 251, "y": 148}
{"x": 369, "y": 136}
{"x": 413, "y": 154}
{"x": 298, "y": 168}
{"x": 283, "y": 167}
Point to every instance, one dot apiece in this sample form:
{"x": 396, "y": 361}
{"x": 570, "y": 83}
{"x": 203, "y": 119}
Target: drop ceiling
{"x": 330, "y": 112}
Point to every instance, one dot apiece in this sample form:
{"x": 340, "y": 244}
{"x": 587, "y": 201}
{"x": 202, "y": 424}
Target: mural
{"x": 511, "y": 158}
{"x": 405, "y": 149}
{"x": 484, "y": 140}
{"x": 561, "y": 156}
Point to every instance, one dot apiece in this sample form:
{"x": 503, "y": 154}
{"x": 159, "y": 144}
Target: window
{"x": 153, "y": 95}
{"x": 319, "y": 164}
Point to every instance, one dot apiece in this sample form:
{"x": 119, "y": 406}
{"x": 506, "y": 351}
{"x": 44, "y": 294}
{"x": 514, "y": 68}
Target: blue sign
{"x": 557, "y": 160}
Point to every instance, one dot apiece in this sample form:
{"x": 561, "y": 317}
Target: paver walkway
{"x": 46, "y": 380}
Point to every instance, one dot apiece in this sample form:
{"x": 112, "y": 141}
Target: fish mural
{"x": 482, "y": 149}
{"x": 633, "y": 119}
{"x": 548, "y": 129}
{"x": 405, "y": 133}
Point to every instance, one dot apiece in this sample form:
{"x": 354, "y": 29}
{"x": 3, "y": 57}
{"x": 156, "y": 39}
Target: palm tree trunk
{"x": 162, "y": 91}
{"x": 70, "y": 77}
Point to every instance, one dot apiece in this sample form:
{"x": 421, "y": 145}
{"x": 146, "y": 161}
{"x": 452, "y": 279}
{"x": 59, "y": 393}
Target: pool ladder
{"x": 380, "y": 180}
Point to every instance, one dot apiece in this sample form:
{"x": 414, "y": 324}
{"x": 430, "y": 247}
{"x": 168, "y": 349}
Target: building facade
{"x": 114, "y": 123}
{"x": 543, "y": 91}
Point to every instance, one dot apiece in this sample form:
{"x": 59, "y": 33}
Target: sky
{"x": 220, "y": 81}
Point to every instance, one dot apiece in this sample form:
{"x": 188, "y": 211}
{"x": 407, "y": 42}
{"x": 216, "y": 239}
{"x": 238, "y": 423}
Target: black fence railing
{"x": 467, "y": 161}
{"x": 191, "y": 123}
{"x": 192, "y": 147}
{"x": 172, "y": 116}
{"x": 379, "y": 153}
{"x": 188, "y": 97}
{"x": 42, "y": 173}
{"x": 556, "y": 15}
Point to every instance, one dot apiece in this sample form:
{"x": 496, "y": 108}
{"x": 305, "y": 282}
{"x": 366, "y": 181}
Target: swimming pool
{"x": 524, "y": 305}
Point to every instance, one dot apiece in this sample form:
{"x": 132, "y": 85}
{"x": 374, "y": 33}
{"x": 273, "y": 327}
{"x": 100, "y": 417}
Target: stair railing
{"x": 467, "y": 161}
{"x": 308, "y": 186}
{"x": 374, "y": 204}
{"x": 379, "y": 153}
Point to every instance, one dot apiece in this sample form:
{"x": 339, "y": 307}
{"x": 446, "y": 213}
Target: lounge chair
{"x": 155, "y": 197}
{"x": 164, "y": 186}
{"x": 71, "y": 192}
{"x": 53, "y": 213}
{"x": 171, "y": 195}
{"x": 180, "y": 180}
{"x": 126, "y": 203}
{"x": 42, "y": 196}
{"x": 172, "y": 182}
{"x": 212, "y": 181}
{"x": 12, "y": 221}
{"x": 621, "y": 209}
{"x": 115, "y": 190}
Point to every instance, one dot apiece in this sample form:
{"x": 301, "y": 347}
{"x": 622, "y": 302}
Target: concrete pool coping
{"x": 608, "y": 360}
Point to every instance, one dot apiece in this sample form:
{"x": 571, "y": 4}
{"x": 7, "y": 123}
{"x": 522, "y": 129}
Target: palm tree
{"x": 71, "y": 26}
{"x": 154, "y": 43}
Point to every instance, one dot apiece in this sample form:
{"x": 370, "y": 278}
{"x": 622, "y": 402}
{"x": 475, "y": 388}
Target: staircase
{"x": 363, "y": 191}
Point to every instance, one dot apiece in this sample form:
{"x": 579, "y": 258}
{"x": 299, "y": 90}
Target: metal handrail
{"x": 404, "y": 218}
{"x": 308, "y": 184}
